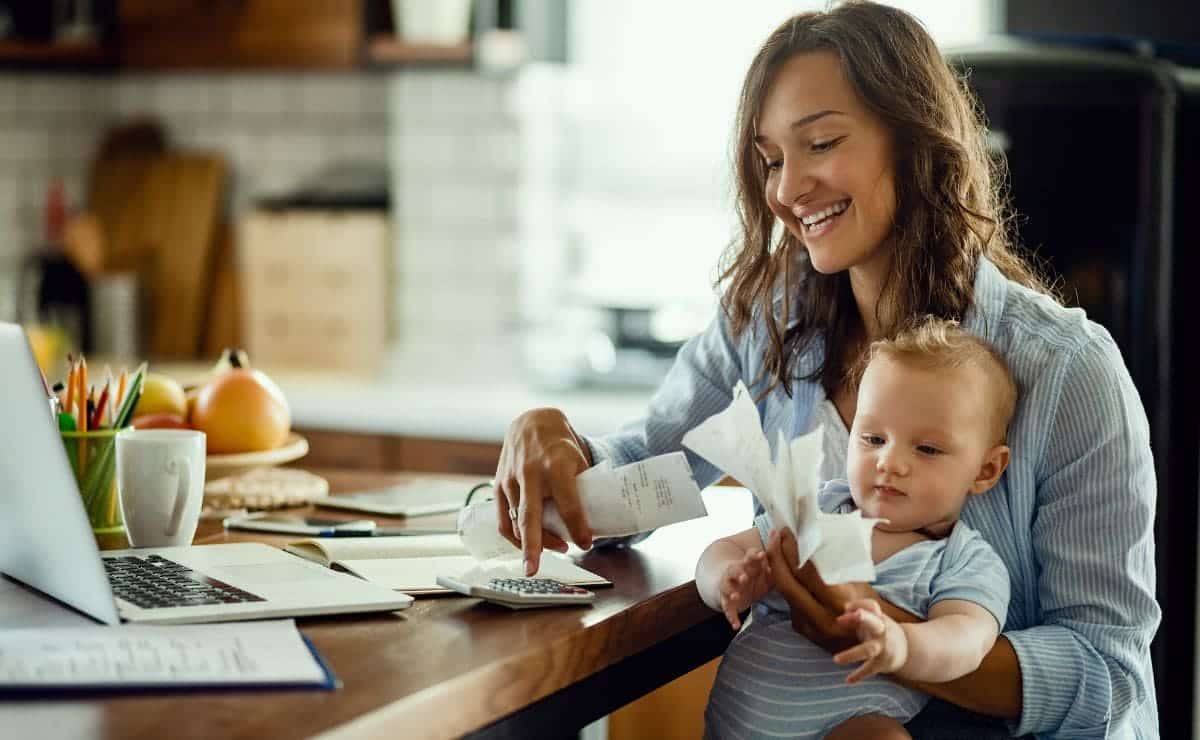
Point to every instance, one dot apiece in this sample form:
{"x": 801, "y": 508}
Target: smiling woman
{"x": 829, "y": 173}
{"x": 868, "y": 203}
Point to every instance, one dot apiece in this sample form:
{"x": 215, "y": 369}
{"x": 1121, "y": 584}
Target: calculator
{"x": 521, "y": 593}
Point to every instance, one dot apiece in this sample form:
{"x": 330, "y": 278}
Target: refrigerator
{"x": 1094, "y": 140}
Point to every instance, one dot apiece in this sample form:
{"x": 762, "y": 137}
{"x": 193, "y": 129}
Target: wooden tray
{"x": 220, "y": 466}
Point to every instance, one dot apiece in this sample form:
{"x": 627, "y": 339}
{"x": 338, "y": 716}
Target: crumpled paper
{"x": 839, "y": 545}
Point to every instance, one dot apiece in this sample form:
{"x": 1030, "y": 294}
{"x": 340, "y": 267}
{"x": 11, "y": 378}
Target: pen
{"x": 383, "y": 532}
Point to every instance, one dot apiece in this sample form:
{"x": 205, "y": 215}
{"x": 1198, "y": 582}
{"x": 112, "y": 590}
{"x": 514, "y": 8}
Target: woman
{"x": 867, "y": 201}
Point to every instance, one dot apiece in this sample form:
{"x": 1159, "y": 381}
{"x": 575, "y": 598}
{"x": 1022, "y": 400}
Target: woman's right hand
{"x": 540, "y": 459}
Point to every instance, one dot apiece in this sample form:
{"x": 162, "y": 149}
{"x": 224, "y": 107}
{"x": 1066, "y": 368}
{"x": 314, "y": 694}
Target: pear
{"x": 231, "y": 359}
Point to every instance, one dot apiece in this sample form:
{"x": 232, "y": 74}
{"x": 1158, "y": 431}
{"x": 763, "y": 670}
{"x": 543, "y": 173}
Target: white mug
{"x": 160, "y": 481}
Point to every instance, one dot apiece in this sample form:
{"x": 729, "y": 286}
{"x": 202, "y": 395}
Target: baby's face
{"x": 917, "y": 444}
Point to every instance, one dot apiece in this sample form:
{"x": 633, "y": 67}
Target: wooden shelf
{"x": 35, "y": 54}
{"x": 382, "y": 50}
{"x": 386, "y": 49}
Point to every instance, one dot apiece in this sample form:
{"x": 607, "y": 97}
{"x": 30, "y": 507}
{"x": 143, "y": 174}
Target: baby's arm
{"x": 951, "y": 644}
{"x": 732, "y": 574}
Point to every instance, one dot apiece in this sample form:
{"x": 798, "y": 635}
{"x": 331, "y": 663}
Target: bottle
{"x": 53, "y": 293}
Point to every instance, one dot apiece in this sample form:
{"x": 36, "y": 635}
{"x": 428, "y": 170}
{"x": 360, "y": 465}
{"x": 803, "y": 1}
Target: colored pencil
{"x": 121, "y": 391}
{"x": 70, "y": 407}
{"x": 98, "y": 414}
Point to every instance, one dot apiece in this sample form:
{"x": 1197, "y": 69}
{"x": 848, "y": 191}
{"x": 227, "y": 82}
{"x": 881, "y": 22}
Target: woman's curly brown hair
{"x": 950, "y": 202}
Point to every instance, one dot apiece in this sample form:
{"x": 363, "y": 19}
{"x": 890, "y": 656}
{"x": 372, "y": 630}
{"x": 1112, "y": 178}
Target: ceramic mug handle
{"x": 180, "y": 467}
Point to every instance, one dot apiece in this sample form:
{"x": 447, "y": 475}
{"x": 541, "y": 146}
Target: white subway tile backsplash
{"x": 11, "y": 96}
{"x": 411, "y": 204}
{"x": 183, "y": 95}
{"x": 24, "y": 145}
{"x": 11, "y": 241}
{"x": 9, "y": 188}
{"x": 361, "y": 145}
{"x": 30, "y": 221}
{"x": 265, "y": 95}
{"x": 500, "y": 150}
{"x": 52, "y": 95}
{"x": 373, "y": 94}
{"x": 452, "y": 148}
{"x": 131, "y": 94}
{"x": 212, "y": 135}
{"x": 416, "y": 151}
{"x": 70, "y": 145}
{"x": 291, "y": 148}
{"x": 409, "y": 92}
{"x": 338, "y": 97}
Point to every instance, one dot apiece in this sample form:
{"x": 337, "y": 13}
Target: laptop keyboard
{"x": 154, "y": 582}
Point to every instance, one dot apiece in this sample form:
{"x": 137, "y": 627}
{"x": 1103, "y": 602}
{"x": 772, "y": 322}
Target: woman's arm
{"x": 542, "y": 453}
{"x": 994, "y": 688}
{"x": 1085, "y": 668}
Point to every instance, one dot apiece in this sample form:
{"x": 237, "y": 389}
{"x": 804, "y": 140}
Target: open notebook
{"x": 412, "y": 564}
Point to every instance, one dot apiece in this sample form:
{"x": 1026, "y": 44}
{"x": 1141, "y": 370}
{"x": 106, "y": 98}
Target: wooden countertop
{"x": 449, "y": 666}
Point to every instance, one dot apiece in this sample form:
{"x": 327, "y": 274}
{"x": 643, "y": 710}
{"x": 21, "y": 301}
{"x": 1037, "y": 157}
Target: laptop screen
{"x": 45, "y": 538}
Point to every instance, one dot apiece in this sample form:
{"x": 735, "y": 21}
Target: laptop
{"x": 46, "y": 541}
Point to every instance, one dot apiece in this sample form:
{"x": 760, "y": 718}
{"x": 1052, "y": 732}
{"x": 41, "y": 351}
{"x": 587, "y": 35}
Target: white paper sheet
{"x": 839, "y": 545}
{"x": 618, "y": 502}
{"x": 250, "y": 653}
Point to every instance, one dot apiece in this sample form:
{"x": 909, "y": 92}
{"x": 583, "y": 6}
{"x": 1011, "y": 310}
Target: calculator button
{"x": 533, "y": 586}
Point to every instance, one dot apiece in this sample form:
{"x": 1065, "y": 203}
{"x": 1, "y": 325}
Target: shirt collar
{"x": 991, "y": 290}
{"x": 982, "y": 317}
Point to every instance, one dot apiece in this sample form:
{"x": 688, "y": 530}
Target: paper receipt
{"x": 839, "y": 545}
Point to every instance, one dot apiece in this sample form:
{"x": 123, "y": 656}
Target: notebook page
{"x": 247, "y": 653}
{"x": 328, "y": 549}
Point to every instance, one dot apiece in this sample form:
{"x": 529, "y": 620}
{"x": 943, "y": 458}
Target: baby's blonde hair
{"x": 941, "y": 344}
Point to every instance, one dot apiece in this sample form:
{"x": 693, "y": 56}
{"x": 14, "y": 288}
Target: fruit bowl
{"x": 221, "y": 466}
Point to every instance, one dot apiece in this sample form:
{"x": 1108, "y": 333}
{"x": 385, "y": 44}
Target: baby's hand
{"x": 744, "y": 582}
{"x": 883, "y": 646}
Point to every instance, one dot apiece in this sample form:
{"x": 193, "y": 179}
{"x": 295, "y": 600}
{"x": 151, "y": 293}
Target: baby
{"x": 929, "y": 431}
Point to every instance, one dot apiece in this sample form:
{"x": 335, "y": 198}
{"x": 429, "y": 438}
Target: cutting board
{"x": 123, "y": 160}
{"x": 183, "y": 208}
{"x": 223, "y": 324}
{"x": 165, "y": 232}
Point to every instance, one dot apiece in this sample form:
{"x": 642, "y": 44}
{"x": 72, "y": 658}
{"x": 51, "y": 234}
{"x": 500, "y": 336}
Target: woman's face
{"x": 830, "y": 171}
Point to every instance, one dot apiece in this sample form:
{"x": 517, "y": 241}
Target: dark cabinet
{"x": 242, "y": 34}
{"x": 1093, "y": 142}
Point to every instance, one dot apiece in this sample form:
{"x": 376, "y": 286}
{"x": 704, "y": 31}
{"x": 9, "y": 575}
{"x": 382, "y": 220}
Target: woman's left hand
{"x": 815, "y": 605}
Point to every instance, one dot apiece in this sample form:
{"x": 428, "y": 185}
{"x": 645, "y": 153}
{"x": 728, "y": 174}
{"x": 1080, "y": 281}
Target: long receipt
{"x": 618, "y": 502}
{"x": 254, "y": 653}
{"x": 839, "y": 545}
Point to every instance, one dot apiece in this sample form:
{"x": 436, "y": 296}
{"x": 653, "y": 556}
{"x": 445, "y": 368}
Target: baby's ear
{"x": 994, "y": 464}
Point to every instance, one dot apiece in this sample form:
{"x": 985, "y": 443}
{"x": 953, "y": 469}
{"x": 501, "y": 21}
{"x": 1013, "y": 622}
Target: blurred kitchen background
{"x": 427, "y": 215}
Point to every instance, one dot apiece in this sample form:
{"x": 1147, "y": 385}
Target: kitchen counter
{"x": 454, "y": 393}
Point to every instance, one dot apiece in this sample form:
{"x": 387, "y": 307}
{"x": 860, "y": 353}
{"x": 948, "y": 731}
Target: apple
{"x": 161, "y": 394}
{"x": 241, "y": 410}
{"x": 160, "y": 420}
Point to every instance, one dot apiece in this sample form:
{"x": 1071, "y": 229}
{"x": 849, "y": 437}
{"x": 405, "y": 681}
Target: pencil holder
{"x": 94, "y": 462}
